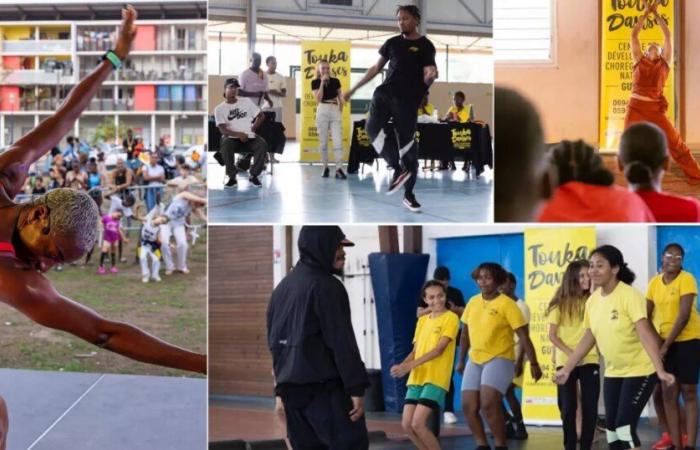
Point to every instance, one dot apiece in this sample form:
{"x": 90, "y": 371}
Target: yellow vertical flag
{"x": 548, "y": 252}
{"x": 616, "y": 65}
{"x": 337, "y": 53}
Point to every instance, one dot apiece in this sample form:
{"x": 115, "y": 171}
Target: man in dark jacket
{"x": 318, "y": 370}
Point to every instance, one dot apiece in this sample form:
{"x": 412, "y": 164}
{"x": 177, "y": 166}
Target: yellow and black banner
{"x": 616, "y": 65}
{"x": 337, "y": 53}
{"x": 548, "y": 252}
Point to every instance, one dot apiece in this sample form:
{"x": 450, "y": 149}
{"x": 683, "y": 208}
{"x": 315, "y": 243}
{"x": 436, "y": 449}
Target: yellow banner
{"x": 337, "y": 53}
{"x": 617, "y": 20}
{"x": 547, "y": 254}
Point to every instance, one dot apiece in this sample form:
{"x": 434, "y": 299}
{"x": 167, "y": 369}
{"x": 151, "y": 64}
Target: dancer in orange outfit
{"x": 647, "y": 103}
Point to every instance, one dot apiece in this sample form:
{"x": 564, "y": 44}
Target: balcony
{"x": 180, "y": 105}
{"x": 31, "y": 47}
{"x": 36, "y": 77}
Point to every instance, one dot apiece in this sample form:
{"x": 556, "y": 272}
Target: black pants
{"x": 256, "y": 146}
{"x": 404, "y": 111}
{"x": 589, "y": 377}
{"x": 320, "y": 421}
{"x": 450, "y": 397}
{"x": 625, "y": 399}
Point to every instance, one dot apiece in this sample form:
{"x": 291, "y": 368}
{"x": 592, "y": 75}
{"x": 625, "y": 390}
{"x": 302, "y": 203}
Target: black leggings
{"x": 404, "y": 111}
{"x": 589, "y": 377}
{"x": 625, "y": 399}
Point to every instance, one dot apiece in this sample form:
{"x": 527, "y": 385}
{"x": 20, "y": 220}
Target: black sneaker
{"x": 520, "y": 431}
{"x": 399, "y": 179}
{"x": 340, "y": 175}
{"x": 411, "y": 203}
{"x": 255, "y": 182}
{"x": 325, "y": 173}
{"x": 510, "y": 428}
{"x": 231, "y": 183}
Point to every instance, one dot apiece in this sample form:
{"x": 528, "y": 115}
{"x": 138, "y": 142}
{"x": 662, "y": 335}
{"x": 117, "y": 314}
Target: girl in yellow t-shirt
{"x": 430, "y": 365}
{"x": 615, "y": 319}
{"x": 490, "y": 319}
{"x": 671, "y": 306}
{"x": 565, "y": 317}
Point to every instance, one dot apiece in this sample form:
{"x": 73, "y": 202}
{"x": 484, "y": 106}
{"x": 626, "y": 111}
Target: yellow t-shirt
{"x": 611, "y": 319}
{"x": 491, "y": 324}
{"x": 667, "y": 303}
{"x": 570, "y": 331}
{"x": 429, "y": 108}
{"x": 463, "y": 114}
{"x": 428, "y": 333}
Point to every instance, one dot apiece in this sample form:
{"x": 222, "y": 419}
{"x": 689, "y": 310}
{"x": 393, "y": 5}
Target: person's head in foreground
{"x": 231, "y": 89}
{"x": 324, "y": 247}
{"x": 408, "y": 17}
{"x": 643, "y": 156}
{"x": 58, "y": 227}
{"x": 435, "y": 295}
{"x": 573, "y": 291}
{"x": 607, "y": 266}
{"x": 522, "y": 180}
{"x": 153, "y": 159}
{"x": 489, "y": 277}
{"x": 323, "y": 69}
{"x": 672, "y": 259}
{"x": 577, "y": 161}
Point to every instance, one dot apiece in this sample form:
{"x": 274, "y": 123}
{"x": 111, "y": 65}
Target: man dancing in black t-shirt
{"x": 411, "y": 71}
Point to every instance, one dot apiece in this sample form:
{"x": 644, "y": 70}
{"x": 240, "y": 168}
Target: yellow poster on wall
{"x": 616, "y": 65}
{"x": 337, "y": 53}
{"x": 547, "y": 254}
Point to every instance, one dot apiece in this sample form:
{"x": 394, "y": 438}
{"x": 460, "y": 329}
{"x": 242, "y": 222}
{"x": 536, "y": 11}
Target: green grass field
{"x": 174, "y": 310}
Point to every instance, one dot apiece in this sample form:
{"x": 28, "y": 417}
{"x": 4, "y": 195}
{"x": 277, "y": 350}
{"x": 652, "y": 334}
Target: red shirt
{"x": 671, "y": 208}
{"x": 650, "y": 77}
{"x": 580, "y": 202}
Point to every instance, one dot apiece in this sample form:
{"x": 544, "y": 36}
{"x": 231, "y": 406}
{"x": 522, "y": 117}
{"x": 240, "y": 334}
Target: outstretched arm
{"x": 371, "y": 73}
{"x": 48, "y": 133}
{"x": 47, "y": 307}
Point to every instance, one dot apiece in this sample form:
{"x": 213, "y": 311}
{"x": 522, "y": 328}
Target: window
{"x": 337, "y": 2}
{"x": 523, "y": 30}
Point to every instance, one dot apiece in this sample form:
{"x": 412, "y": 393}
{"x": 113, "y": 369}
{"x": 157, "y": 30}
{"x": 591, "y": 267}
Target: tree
{"x": 106, "y": 131}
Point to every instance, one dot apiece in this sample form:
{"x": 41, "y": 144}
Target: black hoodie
{"x": 309, "y": 330}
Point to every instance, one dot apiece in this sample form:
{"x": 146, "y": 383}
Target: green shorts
{"x": 428, "y": 395}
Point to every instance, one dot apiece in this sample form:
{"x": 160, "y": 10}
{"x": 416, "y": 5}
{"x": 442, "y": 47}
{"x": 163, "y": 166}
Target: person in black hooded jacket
{"x": 319, "y": 373}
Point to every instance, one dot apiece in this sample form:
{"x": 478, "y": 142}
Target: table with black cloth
{"x": 469, "y": 141}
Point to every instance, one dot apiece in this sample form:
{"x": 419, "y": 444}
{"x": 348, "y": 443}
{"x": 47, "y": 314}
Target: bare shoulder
{"x": 18, "y": 283}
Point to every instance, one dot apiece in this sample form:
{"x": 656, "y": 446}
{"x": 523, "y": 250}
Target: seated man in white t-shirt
{"x": 237, "y": 119}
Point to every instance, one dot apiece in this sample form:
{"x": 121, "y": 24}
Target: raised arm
{"x": 636, "y": 46}
{"x": 371, "y": 73}
{"x": 668, "y": 40}
{"x": 49, "y": 132}
{"x": 49, "y": 308}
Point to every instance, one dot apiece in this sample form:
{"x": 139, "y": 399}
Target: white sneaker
{"x": 449, "y": 418}
{"x": 144, "y": 280}
{"x": 156, "y": 279}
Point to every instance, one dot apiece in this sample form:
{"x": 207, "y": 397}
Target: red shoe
{"x": 685, "y": 440}
{"x": 664, "y": 443}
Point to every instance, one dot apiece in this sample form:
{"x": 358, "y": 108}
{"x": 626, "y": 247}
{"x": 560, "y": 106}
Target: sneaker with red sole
{"x": 664, "y": 443}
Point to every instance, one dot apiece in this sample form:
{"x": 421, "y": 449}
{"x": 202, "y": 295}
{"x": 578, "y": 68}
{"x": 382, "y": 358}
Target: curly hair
{"x": 499, "y": 274}
{"x": 411, "y": 9}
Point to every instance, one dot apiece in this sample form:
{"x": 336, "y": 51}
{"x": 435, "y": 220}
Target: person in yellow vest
{"x": 615, "y": 318}
{"x": 490, "y": 319}
{"x": 671, "y": 306}
{"x": 459, "y": 112}
{"x": 426, "y": 108}
{"x": 565, "y": 318}
{"x": 430, "y": 366}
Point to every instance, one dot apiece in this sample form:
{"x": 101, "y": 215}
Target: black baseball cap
{"x": 232, "y": 81}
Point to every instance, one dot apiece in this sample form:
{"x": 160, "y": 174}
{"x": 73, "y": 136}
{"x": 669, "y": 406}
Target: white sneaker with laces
{"x": 449, "y": 418}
